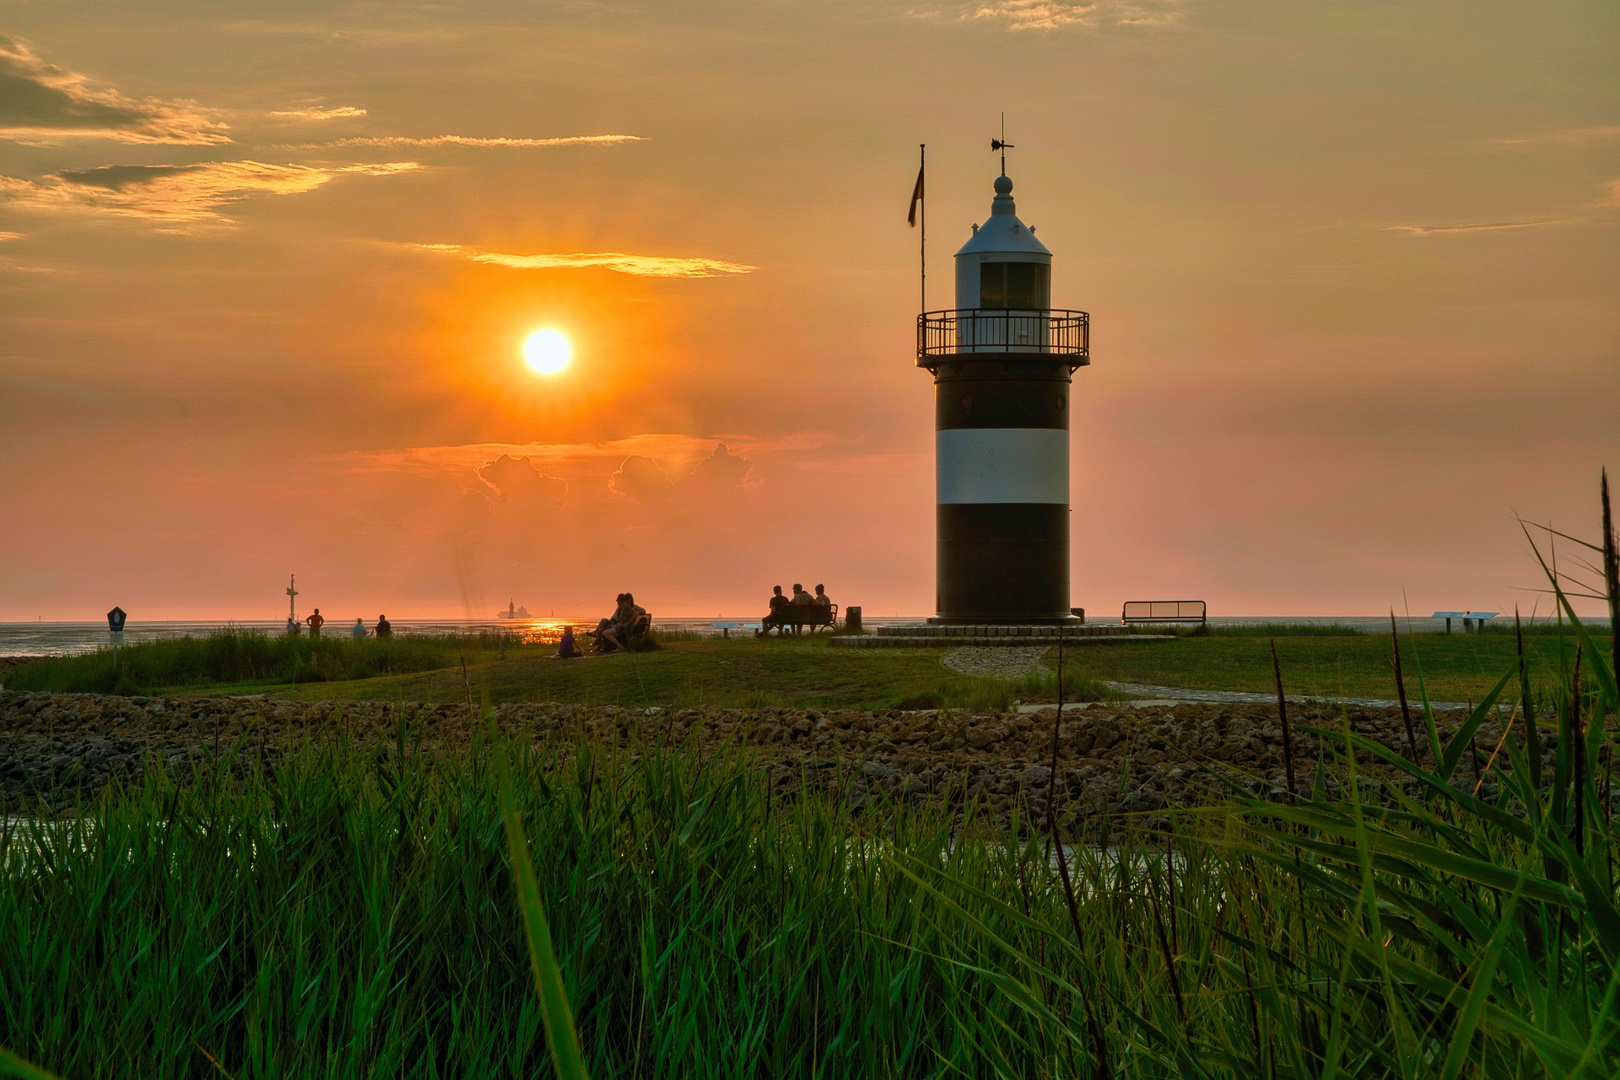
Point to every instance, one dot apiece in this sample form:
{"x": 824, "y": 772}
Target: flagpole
{"x": 922, "y": 254}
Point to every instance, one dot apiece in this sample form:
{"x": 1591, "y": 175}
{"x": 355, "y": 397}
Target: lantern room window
{"x": 1018, "y": 286}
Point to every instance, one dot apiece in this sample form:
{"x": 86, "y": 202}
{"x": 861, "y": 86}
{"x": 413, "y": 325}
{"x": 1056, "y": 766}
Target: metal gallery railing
{"x": 1064, "y": 334}
{"x": 1165, "y": 611}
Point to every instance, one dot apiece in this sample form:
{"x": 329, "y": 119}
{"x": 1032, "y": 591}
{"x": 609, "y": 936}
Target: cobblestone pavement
{"x": 996, "y": 661}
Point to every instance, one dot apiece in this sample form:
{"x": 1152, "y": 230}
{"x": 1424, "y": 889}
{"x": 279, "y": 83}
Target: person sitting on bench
{"x": 821, "y": 597}
{"x": 777, "y": 616}
{"x": 800, "y": 596}
{"x": 629, "y": 613}
{"x": 604, "y": 625}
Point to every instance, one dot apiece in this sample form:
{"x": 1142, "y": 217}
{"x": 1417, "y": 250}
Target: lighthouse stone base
{"x": 1000, "y": 634}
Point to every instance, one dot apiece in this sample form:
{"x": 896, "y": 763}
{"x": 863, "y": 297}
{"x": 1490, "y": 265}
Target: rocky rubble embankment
{"x": 58, "y": 747}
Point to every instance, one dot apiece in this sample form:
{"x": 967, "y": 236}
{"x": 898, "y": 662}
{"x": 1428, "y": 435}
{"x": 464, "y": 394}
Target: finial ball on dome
{"x": 1003, "y": 185}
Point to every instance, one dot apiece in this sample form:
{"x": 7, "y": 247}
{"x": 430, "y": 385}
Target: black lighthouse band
{"x": 1002, "y": 490}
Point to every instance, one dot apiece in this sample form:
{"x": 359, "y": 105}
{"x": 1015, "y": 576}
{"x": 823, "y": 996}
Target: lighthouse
{"x": 1003, "y": 362}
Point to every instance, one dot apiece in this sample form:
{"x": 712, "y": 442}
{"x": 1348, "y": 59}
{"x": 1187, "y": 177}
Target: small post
{"x": 115, "y": 634}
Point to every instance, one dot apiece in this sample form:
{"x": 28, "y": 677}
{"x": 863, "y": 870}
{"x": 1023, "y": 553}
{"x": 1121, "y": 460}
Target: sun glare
{"x": 547, "y": 351}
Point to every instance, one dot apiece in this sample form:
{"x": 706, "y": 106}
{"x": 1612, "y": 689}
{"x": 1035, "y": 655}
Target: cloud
{"x": 1052, "y": 14}
{"x": 517, "y": 480}
{"x": 1613, "y": 197}
{"x": 42, "y": 104}
{"x": 1481, "y": 226}
{"x": 4, "y": 236}
{"x": 473, "y": 140}
{"x": 1565, "y": 137}
{"x": 320, "y": 112}
{"x": 723, "y": 471}
{"x": 683, "y": 452}
{"x": 641, "y": 479}
{"x": 618, "y": 261}
{"x": 174, "y": 193}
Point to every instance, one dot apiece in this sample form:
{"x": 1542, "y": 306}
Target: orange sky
{"x": 1353, "y": 274}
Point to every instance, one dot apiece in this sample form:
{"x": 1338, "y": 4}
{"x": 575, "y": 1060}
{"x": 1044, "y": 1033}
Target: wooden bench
{"x": 798, "y": 616}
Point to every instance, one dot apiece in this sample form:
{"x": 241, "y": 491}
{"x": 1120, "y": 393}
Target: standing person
{"x": 359, "y": 630}
{"x": 315, "y": 622}
{"x": 292, "y": 626}
{"x": 384, "y": 627}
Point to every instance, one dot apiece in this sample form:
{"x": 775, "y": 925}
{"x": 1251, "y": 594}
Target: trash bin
{"x": 852, "y": 620}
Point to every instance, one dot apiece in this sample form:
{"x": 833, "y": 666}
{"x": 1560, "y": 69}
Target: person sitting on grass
{"x": 776, "y": 618}
{"x": 629, "y": 614}
{"x": 566, "y": 649}
{"x": 384, "y": 627}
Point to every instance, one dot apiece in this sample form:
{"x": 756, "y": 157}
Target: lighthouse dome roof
{"x": 1003, "y": 233}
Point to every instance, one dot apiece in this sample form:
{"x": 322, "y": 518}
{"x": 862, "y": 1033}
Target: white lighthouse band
{"x": 1002, "y": 465}
{"x": 1002, "y": 362}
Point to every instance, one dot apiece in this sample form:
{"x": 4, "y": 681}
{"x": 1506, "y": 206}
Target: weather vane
{"x": 1002, "y": 144}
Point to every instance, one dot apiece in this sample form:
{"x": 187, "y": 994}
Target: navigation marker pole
{"x": 919, "y": 202}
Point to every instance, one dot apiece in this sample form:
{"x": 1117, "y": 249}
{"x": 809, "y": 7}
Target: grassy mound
{"x": 252, "y": 658}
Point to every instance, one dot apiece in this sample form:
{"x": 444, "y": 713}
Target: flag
{"x": 916, "y": 197}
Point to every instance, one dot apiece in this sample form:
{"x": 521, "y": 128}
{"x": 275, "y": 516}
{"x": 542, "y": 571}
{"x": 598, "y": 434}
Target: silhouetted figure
{"x": 359, "y": 630}
{"x": 292, "y": 626}
{"x": 775, "y": 619}
{"x": 821, "y": 598}
{"x": 625, "y": 619}
{"x": 566, "y": 649}
{"x": 800, "y": 596}
{"x": 604, "y": 625}
{"x": 384, "y": 627}
{"x": 315, "y": 623}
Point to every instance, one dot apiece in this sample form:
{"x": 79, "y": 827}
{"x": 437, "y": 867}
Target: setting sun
{"x": 547, "y": 351}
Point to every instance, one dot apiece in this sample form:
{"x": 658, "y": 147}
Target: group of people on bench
{"x": 801, "y": 609}
{"x": 617, "y": 631}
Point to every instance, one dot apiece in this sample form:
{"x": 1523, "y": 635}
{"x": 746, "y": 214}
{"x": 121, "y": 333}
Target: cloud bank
{"x": 473, "y": 140}
{"x": 42, "y": 104}
{"x": 1478, "y": 226}
{"x": 318, "y": 112}
{"x": 174, "y": 193}
{"x": 1053, "y": 14}
{"x": 670, "y": 266}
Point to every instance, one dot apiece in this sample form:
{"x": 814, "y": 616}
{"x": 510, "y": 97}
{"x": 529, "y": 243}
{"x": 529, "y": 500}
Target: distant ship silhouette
{"x": 513, "y": 612}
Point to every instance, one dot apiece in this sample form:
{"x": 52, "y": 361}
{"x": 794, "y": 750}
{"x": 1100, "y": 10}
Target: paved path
{"x": 1173, "y": 693}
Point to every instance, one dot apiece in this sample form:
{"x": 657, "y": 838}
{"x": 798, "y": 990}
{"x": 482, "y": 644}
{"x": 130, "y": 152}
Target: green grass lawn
{"x": 798, "y": 673}
{"x": 1455, "y": 667}
{"x": 705, "y": 672}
